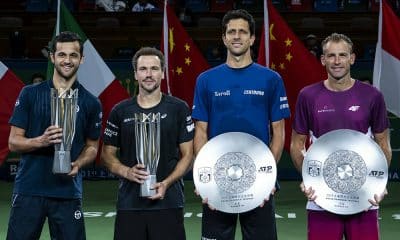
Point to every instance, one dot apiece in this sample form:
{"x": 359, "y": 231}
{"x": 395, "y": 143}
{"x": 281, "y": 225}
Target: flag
{"x": 183, "y": 60}
{"x": 10, "y": 86}
{"x": 387, "y": 58}
{"x": 289, "y": 57}
{"x": 93, "y": 74}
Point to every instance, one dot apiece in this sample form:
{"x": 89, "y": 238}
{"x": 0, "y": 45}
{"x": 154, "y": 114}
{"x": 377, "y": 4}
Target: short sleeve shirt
{"x": 32, "y": 113}
{"x": 176, "y": 127}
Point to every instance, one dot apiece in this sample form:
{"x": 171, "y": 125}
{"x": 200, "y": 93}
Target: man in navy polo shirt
{"x": 38, "y": 193}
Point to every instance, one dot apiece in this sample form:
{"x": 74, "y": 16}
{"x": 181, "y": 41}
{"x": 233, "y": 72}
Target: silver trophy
{"x": 147, "y": 135}
{"x": 63, "y": 114}
{"x": 345, "y": 168}
{"x": 235, "y": 171}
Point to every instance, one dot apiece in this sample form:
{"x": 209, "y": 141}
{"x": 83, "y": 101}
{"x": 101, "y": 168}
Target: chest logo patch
{"x": 354, "y": 108}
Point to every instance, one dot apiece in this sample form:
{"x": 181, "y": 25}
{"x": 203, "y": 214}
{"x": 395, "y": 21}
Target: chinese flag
{"x": 288, "y": 56}
{"x": 184, "y": 61}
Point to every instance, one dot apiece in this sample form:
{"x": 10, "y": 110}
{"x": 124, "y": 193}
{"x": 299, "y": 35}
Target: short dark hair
{"x": 148, "y": 51}
{"x": 66, "y": 36}
{"x": 239, "y": 14}
{"x": 337, "y": 37}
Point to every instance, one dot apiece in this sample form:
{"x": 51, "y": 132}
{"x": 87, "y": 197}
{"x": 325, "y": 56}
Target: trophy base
{"x": 145, "y": 188}
{"x": 62, "y": 162}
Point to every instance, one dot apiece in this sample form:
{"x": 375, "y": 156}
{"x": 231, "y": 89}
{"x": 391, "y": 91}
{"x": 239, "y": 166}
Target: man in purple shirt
{"x": 339, "y": 102}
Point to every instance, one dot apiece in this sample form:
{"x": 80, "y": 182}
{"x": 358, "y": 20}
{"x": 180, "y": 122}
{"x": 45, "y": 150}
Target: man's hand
{"x": 137, "y": 173}
{"x": 267, "y": 199}
{"x": 75, "y": 166}
{"x": 160, "y": 188}
{"x": 51, "y": 135}
{"x": 378, "y": 198}
{"x": 308, "y": 192}
{"x": 204, "y": 200}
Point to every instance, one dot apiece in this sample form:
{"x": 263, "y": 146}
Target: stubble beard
{"x": 66, "y": 77}
{"x": 149, "y": 90}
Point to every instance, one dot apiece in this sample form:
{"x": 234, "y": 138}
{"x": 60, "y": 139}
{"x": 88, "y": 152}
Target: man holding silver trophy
{"x": 341, "y": 111}
{"x": 148, "y": 144}
{"x": 56, "y": 131}
{"x": 240, "y": 96}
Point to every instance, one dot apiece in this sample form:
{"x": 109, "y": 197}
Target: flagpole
{"x": 165, "y": 41}
{"x": 58, "y": 17}
{"x": 266, "y": 32}
{"x": 378, "y": 52}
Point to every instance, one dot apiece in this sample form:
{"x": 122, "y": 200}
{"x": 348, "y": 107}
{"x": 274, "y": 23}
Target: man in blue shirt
{"x": 240, "y": 96}
{"x": 38, "y": 193}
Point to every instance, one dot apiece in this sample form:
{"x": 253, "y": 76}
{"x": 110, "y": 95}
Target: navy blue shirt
{"x": 32, "y": 113}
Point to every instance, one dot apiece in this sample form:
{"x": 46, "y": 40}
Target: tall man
{"x": 240, "y": 96}
{"x": 38, "y": 193}
{"x": 159, "y": 216}
{"x": 339, "y": 102}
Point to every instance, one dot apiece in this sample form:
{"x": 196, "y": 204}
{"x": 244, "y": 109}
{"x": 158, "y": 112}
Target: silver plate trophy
{"x": 64, "y": 106}
{"x": 147, "y": 136}
{"x": 345, "y": 168}
{"x": 235, "y": 171}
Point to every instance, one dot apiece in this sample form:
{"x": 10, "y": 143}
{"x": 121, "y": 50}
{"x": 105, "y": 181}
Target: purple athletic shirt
{"x": 319, "y": 110}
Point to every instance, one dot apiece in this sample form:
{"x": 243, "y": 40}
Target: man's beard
{"x": 151, "y": 90}
{"x": 66, "y": 77}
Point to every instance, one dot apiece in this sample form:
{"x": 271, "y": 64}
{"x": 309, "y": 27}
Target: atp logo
{"x": 376, "y": 174}
{"x": 265, "y": 169}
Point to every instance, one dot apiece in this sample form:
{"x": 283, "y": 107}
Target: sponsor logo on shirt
{"x": 283, "y": 106}
{"x": 128, "y": 120}
{"x": 326, "y": 109}
{"x": 77, "y": 214}
{"x": 253, "y": 92}
{"x": 164, "y": 116}
{"x": 17, "y": 102}
{"x": 354, "y": 108}
{"x": 110, "y": 133}
{"x": 190, "y": 127}
{"x": 224, "y": 93}
{"x": 112, "y": 124}
{"x": 284, "y": 103}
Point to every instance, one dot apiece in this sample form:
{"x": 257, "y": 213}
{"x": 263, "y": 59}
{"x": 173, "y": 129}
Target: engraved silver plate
{"x": 345, "y": 168}
{"x": 235, "y": 171}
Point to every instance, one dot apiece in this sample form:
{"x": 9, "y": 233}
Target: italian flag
{"x": 93, "y": 73}
{"x": 387, "y": 58}
{"x": 10, "y": 86}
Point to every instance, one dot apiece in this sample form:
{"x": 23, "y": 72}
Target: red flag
{"x": 387, "y": 58}
{"x": 184, "y": 61}
{"x": 289, "y": 57}
{"x": 10, "y": 86}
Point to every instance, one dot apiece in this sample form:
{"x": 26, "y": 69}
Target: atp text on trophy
{"x": 63, "y": 114}
{"x": 147, "y": 136}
